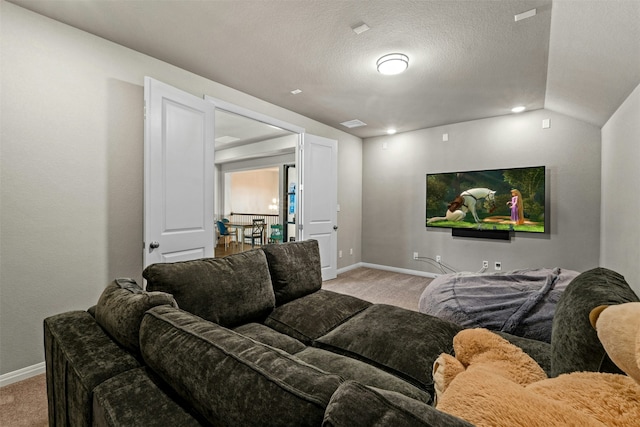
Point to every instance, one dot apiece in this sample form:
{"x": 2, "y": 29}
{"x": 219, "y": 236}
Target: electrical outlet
{"x": 415, "y": 255}
{"x": 497, "y": 265}
{"x": 438, "y": 259}
{"x": 485, "y": 264}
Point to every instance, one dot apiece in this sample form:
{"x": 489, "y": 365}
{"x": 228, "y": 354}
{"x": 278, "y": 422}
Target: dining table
{"x": 239, "y": 228}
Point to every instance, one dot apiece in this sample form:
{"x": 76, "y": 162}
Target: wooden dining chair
{"x": 257, "y": 231}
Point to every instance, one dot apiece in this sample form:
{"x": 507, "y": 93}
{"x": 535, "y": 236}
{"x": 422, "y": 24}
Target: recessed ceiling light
{"x": 226, "y": 139}
{"x": 524, "y": 15}
{"x": 394, "y": 63}
{"x": 518, "y": 109}
{"x": 296, "y": 91}
{"x": 391, "y": 131}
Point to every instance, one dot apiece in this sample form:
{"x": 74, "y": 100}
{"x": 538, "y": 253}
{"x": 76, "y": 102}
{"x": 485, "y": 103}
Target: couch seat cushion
{"x": 574, "y": 343}
{"x": 266, "y": 335}
{"x": 295, "y": 269}
{"x": 355, "y": 405}
{"x": 232, "y": 380}
{"x": 362, "y": 372}
{"x": 120, "y": 309}
{"x": 401, "y": 341}
{"x": 229, "y": 291}
{"x": 312, "y": 316}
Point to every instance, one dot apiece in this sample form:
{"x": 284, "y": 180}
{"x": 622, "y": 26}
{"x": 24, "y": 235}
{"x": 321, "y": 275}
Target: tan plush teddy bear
{"x": 491, "y": 382}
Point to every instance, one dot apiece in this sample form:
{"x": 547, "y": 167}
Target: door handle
{"x": 335, "y": 227}
{"x": 154, "y": 245}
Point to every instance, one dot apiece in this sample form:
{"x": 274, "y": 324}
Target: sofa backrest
{"x": 574, "y": 343}
{"x": 295, "y": 269}
{"x": 229, "y": 291}
{"x": 231, "y": 379}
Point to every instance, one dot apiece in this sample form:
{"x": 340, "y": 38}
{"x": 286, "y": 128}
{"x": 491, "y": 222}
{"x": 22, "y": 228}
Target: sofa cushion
{"x": 120, "y": 309}
{"x": 295, "y": 269}
{"x": 362, "y": 372}
{"x": 312, "y": 316}
{"x": 230, "y": 379}
{"x": 403, "y": 342}
{"x": 355, "y": 405}
{"x": 266, "y": 335}
{"x": 133, "y": 399}
{"x": 229, "y": 291}
{"x": 574, "y": 343}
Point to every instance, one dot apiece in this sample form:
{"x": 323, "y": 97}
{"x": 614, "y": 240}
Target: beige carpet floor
{"x": 24, "y": 404}
{"x": 380, "y": 286}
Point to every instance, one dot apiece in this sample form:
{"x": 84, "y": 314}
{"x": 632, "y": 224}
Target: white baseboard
{"x": 387, "y": 268}
{"x": 22, "y": 374}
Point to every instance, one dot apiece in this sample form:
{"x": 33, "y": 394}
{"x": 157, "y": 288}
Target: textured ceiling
{"x": 468, "y": 59}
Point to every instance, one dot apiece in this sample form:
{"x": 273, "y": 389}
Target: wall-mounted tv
{"x": 499, "y": 200}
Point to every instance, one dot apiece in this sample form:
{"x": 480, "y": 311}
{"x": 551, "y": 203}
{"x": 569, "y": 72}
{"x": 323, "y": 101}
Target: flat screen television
{"x": 499, "y": 200}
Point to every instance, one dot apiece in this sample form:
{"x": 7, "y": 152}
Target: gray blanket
{"x": 520, "y": 302}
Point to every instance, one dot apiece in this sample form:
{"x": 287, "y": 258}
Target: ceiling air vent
{"x": 353, "y": 123}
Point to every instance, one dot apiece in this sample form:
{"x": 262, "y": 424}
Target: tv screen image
{"x": 499, "y": 199}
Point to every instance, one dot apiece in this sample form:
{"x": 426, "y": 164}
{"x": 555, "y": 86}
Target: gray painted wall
{"x": 393, "y": 219}
{"x": 620, "y": 233}
{"x": 71, "y": 170}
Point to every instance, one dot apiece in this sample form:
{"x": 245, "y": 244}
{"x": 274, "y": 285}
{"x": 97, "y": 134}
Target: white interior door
{"x": 319, "y": 198}
{"x": 178, "y": 175}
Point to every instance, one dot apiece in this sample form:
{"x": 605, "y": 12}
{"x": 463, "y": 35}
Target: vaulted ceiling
{"x": 468, "y": 59}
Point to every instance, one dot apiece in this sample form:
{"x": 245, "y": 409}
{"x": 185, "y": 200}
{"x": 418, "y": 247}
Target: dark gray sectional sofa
{"x": 253, "y": 340}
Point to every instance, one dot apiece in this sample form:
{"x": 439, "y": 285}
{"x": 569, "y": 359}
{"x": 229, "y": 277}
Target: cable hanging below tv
{"x": 491, "y": 204}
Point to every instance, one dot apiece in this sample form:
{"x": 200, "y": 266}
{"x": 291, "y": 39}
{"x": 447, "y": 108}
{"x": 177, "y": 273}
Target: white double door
{"x": 179, "y": 139}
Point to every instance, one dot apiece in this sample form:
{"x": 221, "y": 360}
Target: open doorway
{"x": 251, "y": 177}
{"x": 249, "y": 195}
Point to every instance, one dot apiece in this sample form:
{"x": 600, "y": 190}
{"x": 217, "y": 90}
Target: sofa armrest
{"x": 575, "y": 345}
{"x": 79, "y": 355}
{"x": 133, "y": 398}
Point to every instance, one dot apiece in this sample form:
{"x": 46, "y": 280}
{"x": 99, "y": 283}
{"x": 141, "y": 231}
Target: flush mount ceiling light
{"x": 391, "y": 131}
{"x": 394, "y": 63}
{"x": 518, "y": 109}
